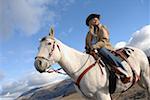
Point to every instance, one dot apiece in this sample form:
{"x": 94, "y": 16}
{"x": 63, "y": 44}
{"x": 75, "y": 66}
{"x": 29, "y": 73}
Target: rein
{"x": 57, "y": 71}
{"x": 50, "y": 54}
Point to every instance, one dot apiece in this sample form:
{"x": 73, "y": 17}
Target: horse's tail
{"x": 148, "y": 59}
{"x": 147, "y": 53}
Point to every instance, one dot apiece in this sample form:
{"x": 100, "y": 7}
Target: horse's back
{"x": 138, "y": 59}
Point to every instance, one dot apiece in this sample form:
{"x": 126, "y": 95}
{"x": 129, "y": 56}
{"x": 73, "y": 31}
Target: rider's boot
{"x": 124, "y": 77}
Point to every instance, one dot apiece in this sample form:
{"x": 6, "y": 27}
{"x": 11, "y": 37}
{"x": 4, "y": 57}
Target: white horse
{"x": 91, "y": 78}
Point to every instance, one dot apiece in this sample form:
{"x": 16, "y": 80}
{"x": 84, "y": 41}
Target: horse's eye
{"x": 49, "y": 43}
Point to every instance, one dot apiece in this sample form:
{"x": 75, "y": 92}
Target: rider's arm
{"x": 104, "y": 38}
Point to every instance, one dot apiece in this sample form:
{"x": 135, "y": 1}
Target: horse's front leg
{"x": 102, "y": 96}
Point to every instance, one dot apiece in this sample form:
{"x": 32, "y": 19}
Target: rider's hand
{"x": 91, "y": 48}
{"x": 94, "y": 46}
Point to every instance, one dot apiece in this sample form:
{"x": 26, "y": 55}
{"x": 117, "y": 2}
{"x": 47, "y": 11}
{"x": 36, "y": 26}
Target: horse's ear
{"x": 51, "y": 33}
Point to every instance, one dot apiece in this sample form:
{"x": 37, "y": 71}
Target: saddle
{"x": 122, "y": 54}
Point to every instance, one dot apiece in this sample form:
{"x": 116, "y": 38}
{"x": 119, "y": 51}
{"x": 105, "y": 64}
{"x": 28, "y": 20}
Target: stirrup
{"x": 125, "y": 79}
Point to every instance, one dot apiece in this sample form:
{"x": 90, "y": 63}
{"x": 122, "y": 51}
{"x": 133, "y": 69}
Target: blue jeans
{"x": 110, "y": 57}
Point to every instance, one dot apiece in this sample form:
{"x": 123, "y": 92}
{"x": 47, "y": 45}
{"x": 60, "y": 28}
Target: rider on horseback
{"x": 98, "y": 39}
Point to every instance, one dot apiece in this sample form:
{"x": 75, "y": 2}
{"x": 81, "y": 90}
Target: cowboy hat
{"x": 91, "y": 16}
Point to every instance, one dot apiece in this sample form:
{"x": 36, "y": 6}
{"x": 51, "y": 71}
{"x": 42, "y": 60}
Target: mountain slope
{"x": 65, "y": 90}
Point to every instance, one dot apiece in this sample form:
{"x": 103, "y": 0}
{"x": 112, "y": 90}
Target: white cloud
{"x": 21, "y": 15}
{"x": 120, "y": 45}
{"x": 14, "y": 88}
{"x": 36, "y": 78}
{"x": 141, "y": 38}
{"x": 28, "y": 16}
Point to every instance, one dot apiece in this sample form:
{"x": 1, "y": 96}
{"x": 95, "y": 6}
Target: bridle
{"x": 51, "y": 53}
{"x": 53, "y": 48}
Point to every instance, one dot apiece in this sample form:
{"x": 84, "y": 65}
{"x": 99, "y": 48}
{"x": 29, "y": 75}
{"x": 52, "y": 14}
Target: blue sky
{"x": 24, "y": 22}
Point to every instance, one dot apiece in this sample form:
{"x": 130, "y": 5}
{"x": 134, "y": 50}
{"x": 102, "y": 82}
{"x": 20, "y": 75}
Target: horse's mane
{"x": 66, "y": 46}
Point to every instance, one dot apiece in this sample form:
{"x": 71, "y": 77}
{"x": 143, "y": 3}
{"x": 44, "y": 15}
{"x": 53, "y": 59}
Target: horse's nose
{"x": 40, "y": 65}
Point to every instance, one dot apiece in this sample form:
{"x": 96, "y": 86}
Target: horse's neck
{"x": 71, "y": 60}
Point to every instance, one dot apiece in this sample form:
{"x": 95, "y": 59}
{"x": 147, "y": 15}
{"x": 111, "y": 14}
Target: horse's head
{"x": 48, "y": 54}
